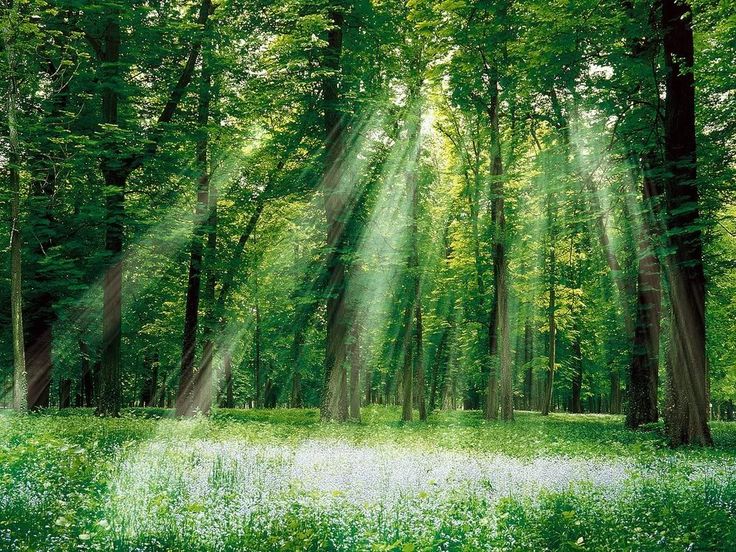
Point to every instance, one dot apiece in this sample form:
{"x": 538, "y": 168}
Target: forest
{"x": 368, "y": 275}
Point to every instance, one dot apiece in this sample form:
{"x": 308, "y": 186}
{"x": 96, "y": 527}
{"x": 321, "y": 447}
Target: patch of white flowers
{"x": 223, "y": 486}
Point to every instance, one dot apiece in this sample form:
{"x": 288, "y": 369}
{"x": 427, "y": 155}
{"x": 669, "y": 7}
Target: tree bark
{"x": 686, "y": 414}
{"x": 16, "y": 269}
{"x": 552, "y": 328}
{"x": 355, "y": 368}
{"x": 500, "y": 342}
{"x": 577, "y": 377}
{"x": 109, "y": 397}
{"x": 419, "y": 354}
{"x": 335, "y": 209}
{"x": 528, "y": 357}
{"x": 189, "y": 393}
{"x": 644, "y": 368}
{"x": 258, "y": 397}
{"x": 227, "y": 368}
{"x": 407, "y": 379}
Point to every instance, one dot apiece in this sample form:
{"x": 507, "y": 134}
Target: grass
{"x": 281, "y": 480}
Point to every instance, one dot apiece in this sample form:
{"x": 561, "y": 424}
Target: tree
{"x": 16, "y": 269}
{"x": 686, "y": 413}
{"x": 116, "y": 167}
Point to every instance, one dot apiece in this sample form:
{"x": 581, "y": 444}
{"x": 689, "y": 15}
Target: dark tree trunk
{"x": 644, "y": 368}
{"x": 419, "y": 355}
{"x": 336, "y": 203}
{"x": 210, "y": 319}
{"x": 615, "y": 392}
{"x": 150, "y": 383}
{"x": 191, "y": 386}
{"x": 227, "y": 368}
{"x": 65, "y": 393}
{"x": 38, "y": 353}
{"x": 297, "y": 398}
{"x": 407, "y": 374}
{"x": 552, "y": 325}
{"x": 368, "y": 384}
{"x": 437, "y": 363}
{"x": 86, "y": 392}
{"x": 257, "y": 366}
{"x": 16, "y": 266}
{"x": 528, "y": 357}
{"x": 686, "y": 414}
{"x": 109, "y": 396}
{"x": 355, "y": 368}
{"x": 577, "y": 377}
{"x": 500, "y": 340}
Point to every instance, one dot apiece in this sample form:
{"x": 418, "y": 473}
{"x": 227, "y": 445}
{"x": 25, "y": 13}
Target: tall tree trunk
{"x": 475, "y": 391}
{"x": 686, "y": 414}
{"x": 109, "y": 397}
{"x": 258, "y": 397}
{"x": 644, "y": 367}
{"x": 368, "y": 384}
{"x": 552, "y": 326}
{"x": 336, "y": 202}
{"x": 16, "y": 270}
{"x": 355, "y": 366}
{"x": 501, "y": 340}
{"x": 414, "y": 269}
{"x": 407, "y": 379}
{"x": 528, "y": 357}
{"x": 577, "y": 377}
{"x": 39, "y": 304}
{"x": 190, "y": 385}
{"x": 419, "y": 353}
{"x": 297, "y": 399}
{"x": 85, "y": 393}
{"x": 210, "y": 318}
{"x": 437, "y": 363}
{"x": 227, "y": 368}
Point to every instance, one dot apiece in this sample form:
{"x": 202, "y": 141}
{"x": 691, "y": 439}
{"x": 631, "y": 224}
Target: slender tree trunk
{"x": 257, "y": 368}
{"x": 336, "y": 202}
{"x": 577, "y": 379}
{"x": 190, "y": 385}
{"x": 227, "y": 369}
{"x": 368, "y": 384}
{"x": 85, "y": 395}
{"x": 686, "y": 414}
{"x": 528, "y": 357}
{"x": 419, "y": 355}
{"x": 16, "y": 297}
{"x": 297, "y": 399}
{"x": 474, "y": 392}
{"x": 355, "y": 366}
{"x": 109, "y": 397}
{"x": 210, "y": 319}
{"x": 644, "y": 369}
{"x": 501, "y": 327}
{"x": 439, "y": 359}
{"x": 407, "y": 380}
{"x": 552, "y": 328}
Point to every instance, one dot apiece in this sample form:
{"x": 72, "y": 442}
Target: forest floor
{"x": 281, "y": 480}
